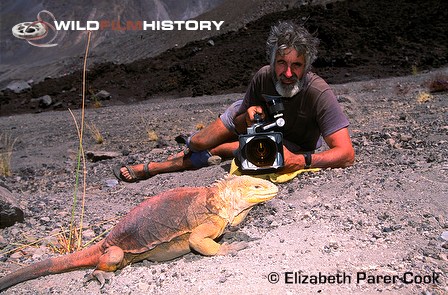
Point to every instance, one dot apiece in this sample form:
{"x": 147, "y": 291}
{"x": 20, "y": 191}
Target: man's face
{"x": 289, "y": 69}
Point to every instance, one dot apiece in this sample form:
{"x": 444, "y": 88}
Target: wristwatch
{"x": 307, "y": 160}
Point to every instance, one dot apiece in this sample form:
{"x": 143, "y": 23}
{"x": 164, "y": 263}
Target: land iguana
{"x": 161, "y": 228}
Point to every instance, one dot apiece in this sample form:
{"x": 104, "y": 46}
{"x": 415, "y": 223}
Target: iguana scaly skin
{"x": 163, "y": 227}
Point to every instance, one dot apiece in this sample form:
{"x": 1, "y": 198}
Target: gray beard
{"x": 289, "y": 90}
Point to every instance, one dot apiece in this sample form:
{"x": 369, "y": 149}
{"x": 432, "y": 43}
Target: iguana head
{"x": 239, "y": 193}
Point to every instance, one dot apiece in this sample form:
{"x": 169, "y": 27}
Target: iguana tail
{"x": 88, "y": 257}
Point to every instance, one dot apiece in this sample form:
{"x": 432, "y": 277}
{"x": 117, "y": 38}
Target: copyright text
{"x": 294, "y": 277}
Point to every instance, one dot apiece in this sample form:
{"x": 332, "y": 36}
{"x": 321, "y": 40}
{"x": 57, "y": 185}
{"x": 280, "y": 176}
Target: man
{"x": 311, "y": 113}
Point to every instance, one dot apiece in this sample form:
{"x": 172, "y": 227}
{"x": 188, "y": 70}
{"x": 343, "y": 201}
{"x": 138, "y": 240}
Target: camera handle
{"x": 279, "y": 122}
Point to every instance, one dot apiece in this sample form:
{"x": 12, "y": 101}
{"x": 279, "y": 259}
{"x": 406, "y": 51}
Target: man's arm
{"x": 340, "y": 155}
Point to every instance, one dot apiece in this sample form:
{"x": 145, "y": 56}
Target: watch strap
{"x": 307, "y": 160}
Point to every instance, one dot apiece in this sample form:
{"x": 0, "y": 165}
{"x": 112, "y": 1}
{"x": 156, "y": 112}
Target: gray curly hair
{"x": 290, "y": 35}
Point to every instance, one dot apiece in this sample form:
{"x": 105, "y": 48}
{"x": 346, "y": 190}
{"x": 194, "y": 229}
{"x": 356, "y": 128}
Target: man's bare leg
{"x": 177, "y": 163}
{"x": 211, "y": 137}
{"x": 225, "y": 150}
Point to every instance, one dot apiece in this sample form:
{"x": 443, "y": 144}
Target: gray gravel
{"x": 387, "y": 215}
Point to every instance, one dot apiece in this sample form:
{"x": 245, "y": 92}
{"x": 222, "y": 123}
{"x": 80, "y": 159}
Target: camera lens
{"x": 261, "y": 151}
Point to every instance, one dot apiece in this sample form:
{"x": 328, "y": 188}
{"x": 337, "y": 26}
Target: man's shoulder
{"x": 316, "y": 83}
{"x": 264, "y": 71}
{"x": 316, "y": 80}
{"x": 262, "y": 82}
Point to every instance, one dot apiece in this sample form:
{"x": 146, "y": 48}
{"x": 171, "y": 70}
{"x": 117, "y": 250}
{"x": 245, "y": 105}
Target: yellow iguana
{"x": 163, "y": 227}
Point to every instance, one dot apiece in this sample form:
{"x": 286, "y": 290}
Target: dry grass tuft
{"x": 6, "y": 149}
{"x": 200, "y": 126}
{"x": 423, "y": 97}
{"x": 150, "y": 132}
{"x": 152, "y": 135}
{"x": 67, "y": 242}
{"x": 96, "y": 134}
{"x": 96, "y": 103}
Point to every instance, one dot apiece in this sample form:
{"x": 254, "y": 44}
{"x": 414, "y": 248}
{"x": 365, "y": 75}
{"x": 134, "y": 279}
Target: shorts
{"x": 231, "y": 112}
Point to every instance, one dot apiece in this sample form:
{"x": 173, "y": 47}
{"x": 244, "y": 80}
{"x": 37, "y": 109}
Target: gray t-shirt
{"x": 312, "y": 112}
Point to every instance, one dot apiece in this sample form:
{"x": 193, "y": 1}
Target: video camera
{"x": 261, "y": 149}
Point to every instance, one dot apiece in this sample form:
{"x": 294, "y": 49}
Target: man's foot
{"x": 132, "y": 173}
{"x": 214, "y": 160}
{"x": 176, "y": 156}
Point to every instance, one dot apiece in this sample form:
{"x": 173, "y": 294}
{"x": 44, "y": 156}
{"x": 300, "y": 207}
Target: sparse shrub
{"x": 96, "y": 102}
{"x": 95, "y": 133}
{"x": 6, "y": 148}
{"x": 66, "y": 242}
{"x": 150, "y": 132}
{"x": 200, "y": 126}
{"x": 152, "y": 135}
{"x": 423, "y": 97}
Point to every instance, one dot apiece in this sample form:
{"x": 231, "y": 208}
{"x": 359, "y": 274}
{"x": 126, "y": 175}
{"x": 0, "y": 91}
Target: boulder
{"x": 43, "y": 101}
{"x": 18, "y": 86}
{"x": 103, "y": 95}
{"x": 10, "y": 212}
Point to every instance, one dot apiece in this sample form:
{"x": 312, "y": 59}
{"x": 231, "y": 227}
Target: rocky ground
{"x": 387, "y": 215}
{"x": 383, "y": 216}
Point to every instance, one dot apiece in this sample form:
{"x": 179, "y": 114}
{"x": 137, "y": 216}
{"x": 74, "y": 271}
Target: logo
{"x": 40, "y": 29}
{"x": 37, "y": 30}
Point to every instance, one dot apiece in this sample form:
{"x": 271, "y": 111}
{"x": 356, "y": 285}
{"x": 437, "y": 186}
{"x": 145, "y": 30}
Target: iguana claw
{"x": 102, "y": 277}
{"x": 231, "y": 248}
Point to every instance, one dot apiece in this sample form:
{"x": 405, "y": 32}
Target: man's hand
{"x": 292, "y": 162}
{"x": 251, "y": 112}
{"x": 247, "y": 119}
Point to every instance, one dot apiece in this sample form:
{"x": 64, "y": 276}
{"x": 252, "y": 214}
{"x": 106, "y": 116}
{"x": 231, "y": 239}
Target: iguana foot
{"x": 231, "y": 248}
{"x": 101, "y": 276}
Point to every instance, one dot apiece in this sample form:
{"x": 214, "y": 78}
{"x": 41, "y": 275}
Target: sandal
{"x": 132, "y": 173}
